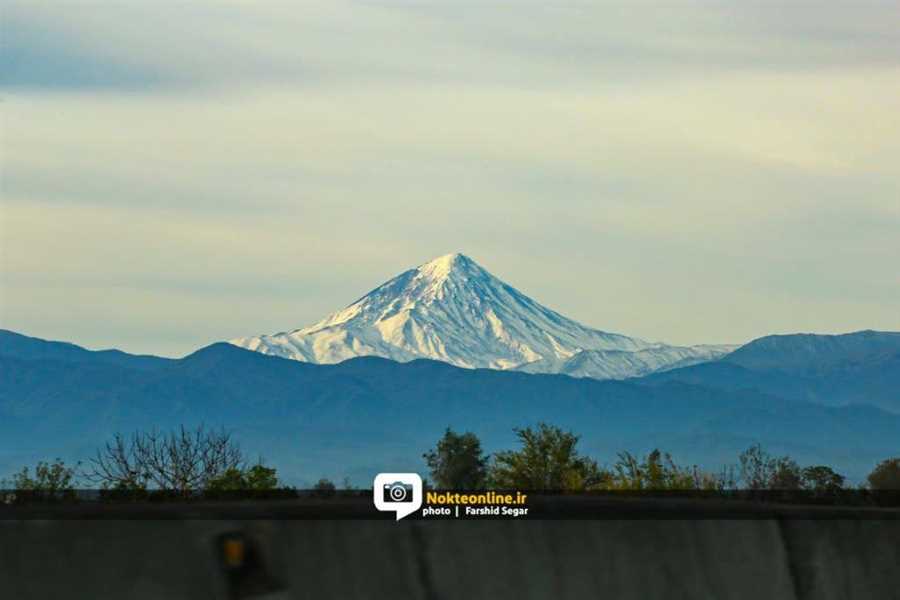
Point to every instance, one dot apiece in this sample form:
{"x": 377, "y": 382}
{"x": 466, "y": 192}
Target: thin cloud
{"x": 225, "y": 46}
{"x": 699, "y": 172}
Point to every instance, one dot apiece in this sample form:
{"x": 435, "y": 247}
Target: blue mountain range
{"x": 821, "y": 399}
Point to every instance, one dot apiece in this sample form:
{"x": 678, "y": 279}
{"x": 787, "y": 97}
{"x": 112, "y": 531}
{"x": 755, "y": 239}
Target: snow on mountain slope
{"x": 453, "y": 310}
{"x": 616, "y": 364}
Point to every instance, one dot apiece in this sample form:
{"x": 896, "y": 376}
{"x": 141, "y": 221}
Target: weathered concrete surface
{"x": 639, "y": 559}
{"x": 844, "y": 559}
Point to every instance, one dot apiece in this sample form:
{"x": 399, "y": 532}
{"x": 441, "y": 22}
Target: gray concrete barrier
{"x": 640, "y": 559}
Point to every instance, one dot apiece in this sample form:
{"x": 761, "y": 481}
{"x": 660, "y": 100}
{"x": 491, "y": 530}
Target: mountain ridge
{"x": 860, "y": 367}
{"x": 371, "y": 414}
{"x": 810, "y": 352}
{"x": 22, "y": 346}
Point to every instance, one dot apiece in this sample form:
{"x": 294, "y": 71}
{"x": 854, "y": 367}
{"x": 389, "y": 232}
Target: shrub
{"x": 51, "y": 481}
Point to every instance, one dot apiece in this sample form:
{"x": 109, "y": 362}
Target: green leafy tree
{"x": 457, "y": 462}
{"x": 822, "y": 479}
{"x": 230, "y": 480}
{"x": 257, "y": 478}
{"x": 547, "y": 460}
{"x": 261, "y": 478}
{"x": 886, "y": 476}
{"x": 53, "y": 480}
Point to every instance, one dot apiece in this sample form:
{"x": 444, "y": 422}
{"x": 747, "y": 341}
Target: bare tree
{"x": 178, "y": 461}
{"x": 118, "y": 466}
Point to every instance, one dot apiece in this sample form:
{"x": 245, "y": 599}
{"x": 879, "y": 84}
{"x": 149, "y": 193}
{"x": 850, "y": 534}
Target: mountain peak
{"x": 448, "y": 309}
{"x": 444, "y": 266}
{"x": 448, "y": 258}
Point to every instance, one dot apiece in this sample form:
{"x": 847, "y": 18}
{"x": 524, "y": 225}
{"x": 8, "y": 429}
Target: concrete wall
{"x": 641, "y": 559}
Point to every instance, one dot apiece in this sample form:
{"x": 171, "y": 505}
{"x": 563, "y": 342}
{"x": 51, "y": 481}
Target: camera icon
{"x": 398, "y": 492}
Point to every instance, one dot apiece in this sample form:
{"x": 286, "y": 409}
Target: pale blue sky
{"x": 179, "y": 173}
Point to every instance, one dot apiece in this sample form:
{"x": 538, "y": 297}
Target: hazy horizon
{"x": 180, "y": 355}
{"x": 688, "y": 172}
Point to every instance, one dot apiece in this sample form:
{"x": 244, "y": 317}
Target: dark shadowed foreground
{"x": 781, "y": 556}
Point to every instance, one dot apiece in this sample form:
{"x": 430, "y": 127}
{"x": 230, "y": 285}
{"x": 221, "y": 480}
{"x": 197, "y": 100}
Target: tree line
{"x": 548, "y": 460}
{"x": 186, "y": 463}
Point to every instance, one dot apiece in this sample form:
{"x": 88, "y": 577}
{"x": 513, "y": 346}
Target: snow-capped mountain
{"x": 453, "y": 310}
